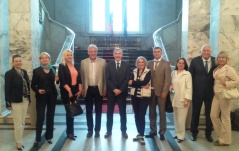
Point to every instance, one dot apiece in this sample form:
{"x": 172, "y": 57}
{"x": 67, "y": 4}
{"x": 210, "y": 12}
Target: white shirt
{"x": 92, "y": 74}
{"x": 156, "y": 62}
{"x": 209, "y": 63}
{"x": 117, "y": 62}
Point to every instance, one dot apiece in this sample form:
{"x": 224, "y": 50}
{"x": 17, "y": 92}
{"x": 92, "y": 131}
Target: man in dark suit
{"x": 160, "y": 82}
{"x": 117, "y": 77}
{"x": 201, "y": 69}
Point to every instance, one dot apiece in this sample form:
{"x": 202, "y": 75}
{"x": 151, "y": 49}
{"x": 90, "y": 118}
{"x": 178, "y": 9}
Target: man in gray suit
{"x": 94, "y": 88}
{"x": 160, "y": 82}
{"x": 117, "y": 77}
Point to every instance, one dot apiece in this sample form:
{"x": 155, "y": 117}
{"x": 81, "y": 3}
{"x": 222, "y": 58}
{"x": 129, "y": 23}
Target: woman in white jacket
{"x": 182, "y": 86}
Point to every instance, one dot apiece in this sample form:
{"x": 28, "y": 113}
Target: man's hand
{"x": 117, "y": 92}
{"x": 163, "y": 96}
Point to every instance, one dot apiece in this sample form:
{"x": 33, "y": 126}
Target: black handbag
{"x": 168, "y": 104}
{"x": 73, "y": 108}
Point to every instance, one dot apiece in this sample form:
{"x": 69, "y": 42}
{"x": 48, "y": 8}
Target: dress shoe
{"x": 89, "y": 134}
{"x": 209, "y": 138}
{"x": 35, "y": 144}
{"x": 19, "y": 148}
{"x": 179, "y": 140}
{"x": 193, "y": 137}
{"x": 136, "y": 138}
{"x": 108, "y": 134}
{"x": 71, "y": 137}
{"x": 141, "y": 140}
{"x": 162, "y": 138}
{"x": 217, "y": 143}
{"x": 175, "y": 137}
{"x": 97, "y": 134}
{"x": 150, "y": 135}
{"x": 49, "y": 141}
{"x": 125, "y": 135}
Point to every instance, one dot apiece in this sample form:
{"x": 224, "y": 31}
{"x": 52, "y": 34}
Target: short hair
{"x": 44, "y": 53}
{"x": 117, "y": 49}
{"x": 157, "y": 48}
{"x": 64, "y": 54}
{"x": 144, "y": 60}
{"x": 205, "y": 46}
{"x": 185, "y": 64}
{"x": 224, "y": 53}
{"x": 16, "y": 56}
{"x": 92, "y": 46}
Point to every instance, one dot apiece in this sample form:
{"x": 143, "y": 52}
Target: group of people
{"x": 150, "y": 82}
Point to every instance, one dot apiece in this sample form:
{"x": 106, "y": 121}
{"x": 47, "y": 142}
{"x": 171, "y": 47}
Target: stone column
{"x": 4, "y": 53}
{"x": 24, "y": 30}
{"x": 224, "y": 34}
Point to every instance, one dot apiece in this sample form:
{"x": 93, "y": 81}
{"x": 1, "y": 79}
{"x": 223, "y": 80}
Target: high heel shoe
{"x": 20, "y": 148}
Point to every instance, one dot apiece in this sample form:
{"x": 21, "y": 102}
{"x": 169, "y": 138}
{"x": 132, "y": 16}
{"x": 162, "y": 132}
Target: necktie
{"x": 117, "y": 67}
{"x": 156, "y": 64}
{"x": 206, "y": 66}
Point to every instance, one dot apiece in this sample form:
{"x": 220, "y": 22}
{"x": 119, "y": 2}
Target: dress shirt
{"x": 209, "y": 63}
{"x": 92, "y": 75}
{"x": 156, "y": 61}
{"x": 117, "y": 62}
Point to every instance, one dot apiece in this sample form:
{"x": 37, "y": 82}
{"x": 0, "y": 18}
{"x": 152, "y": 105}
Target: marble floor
{"x": 114, "y": 143}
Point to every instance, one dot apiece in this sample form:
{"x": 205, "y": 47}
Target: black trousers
{"x": 93, "y": 96}
{"x": 47, "y": 100}
{"x": 66, "y": 99}
{"x": 196, "y": 108}
{"x": 121, "y": 100}
{"x": 140, "y": 106}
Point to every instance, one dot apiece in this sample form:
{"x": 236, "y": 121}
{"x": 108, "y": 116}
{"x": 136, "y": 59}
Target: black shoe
{"x": 108, "y": 134}
{"x": 19, "y": 148}
{"x": 97, "y": 134}
{"x": 89, "y": 134}
{"x": 35, "y": 144}
{"x": 150, "y": 135}
{"x": 136, "y": 138}
{"x": 175, "y": 137}
{"x": 209, "y": 138}
{"x": 193, "y": 137}
{"x": 162, "y": 138}
{"x": 71, "y": 137}
{"x": 141, "y": 140}
{"x": 179, "y": 140}
{"x": 49, "y": 141}
{"x": 125, "y": 135}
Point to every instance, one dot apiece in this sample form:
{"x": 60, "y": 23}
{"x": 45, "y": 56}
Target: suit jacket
{"x": 14, "y": 86}
{"x": 160, "y": 77}
{"x": 117, "y": 79}
{"x": 202, "y": 81}
{"x": 40, "y": 81}
{"x": 65, "y": 78}
{"x": 100, "y": 74}
{"x": 230, "y": 75}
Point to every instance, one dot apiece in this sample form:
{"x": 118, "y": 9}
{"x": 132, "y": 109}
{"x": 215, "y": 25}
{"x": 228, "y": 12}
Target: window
{"x": 123, "y": 13}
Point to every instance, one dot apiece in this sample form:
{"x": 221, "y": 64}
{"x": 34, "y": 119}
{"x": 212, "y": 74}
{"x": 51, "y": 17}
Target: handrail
{"x": 159, "y": 41}
{"x": 69, "y": 40}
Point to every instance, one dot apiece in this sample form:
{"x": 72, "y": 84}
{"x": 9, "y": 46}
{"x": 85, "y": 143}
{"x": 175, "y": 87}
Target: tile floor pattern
{"x": 114, "y": 143}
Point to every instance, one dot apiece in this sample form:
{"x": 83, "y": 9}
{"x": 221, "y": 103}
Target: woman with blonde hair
{"x": 70, "y": 86}
{"x": 225, "y": 78}
{"x": 43, "y": 84}
{"x": 17, "y": 96}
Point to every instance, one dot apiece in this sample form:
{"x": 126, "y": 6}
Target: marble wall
{"x": 198, "y": 26}
{"x": 4, "y": 51}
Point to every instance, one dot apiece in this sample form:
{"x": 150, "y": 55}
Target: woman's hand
{"x": 78, "y": 94}
{"x": 9, "y": 108}
{"x": 145, "y": 86}
{"x": 41, "y": 91}
{"x": 185, "y": 103}
{"x": 170, "y": 88}
{"x": 56, "y": 78}
{"x": 130, "y": 82}
{"x": 70, "y": 94}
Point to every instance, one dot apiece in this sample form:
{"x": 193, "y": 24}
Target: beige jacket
{"x": 144, "y": 92}
{"x": 182, "y": 85}
{"x": 100, "y": 74}
{"x": 230, "y": 75}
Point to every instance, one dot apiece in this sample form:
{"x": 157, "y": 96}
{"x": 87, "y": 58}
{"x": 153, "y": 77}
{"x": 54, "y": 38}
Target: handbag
{"x": 230, "y": 93}
{"x": 73, "y": 108}
{"x": 168, "y": 104}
